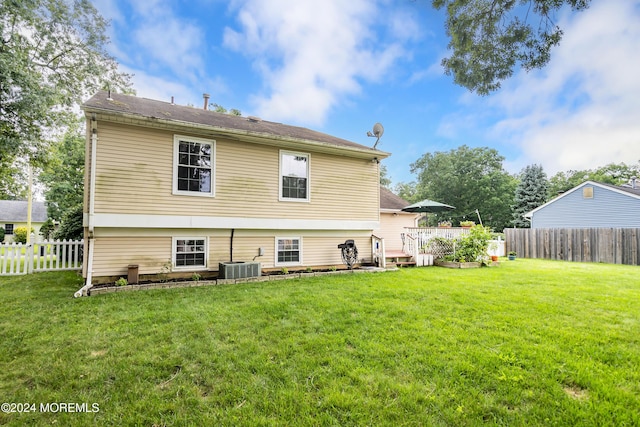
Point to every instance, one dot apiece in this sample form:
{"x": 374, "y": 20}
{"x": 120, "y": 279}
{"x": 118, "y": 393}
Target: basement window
{"x": 288, "y": 251}
{"x": 190, "y": 253}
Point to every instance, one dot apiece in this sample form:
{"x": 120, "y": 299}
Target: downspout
{"x": 90, "y": 223}
{"x": 231, "y": 245}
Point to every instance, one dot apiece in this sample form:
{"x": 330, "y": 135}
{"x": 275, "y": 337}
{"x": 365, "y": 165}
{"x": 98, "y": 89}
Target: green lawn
{"x": 527, "y": 343}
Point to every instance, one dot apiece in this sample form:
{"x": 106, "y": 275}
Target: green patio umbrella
{"x": 427, "y": 206}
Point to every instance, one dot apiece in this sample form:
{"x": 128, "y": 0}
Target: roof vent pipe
{"x": 206, "y": 100}
{"x": 633, "y": 182}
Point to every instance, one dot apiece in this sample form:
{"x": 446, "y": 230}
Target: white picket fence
{"x": 48, "y": 255}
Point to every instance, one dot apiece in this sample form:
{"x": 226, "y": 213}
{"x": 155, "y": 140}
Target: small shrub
{"x": 309, "y": 270}
{"x": 122, "y": 282}
{"x": 196, "y": 277}
{"x": 284, "y": 270}
{"x": 473, "y": 246}
{"x": 470, "y": 248}
{"x": 20, "y": 234}
{"x": 333, "y": 268}
{"x": 163, "y": 275}
{"x": 2, "y": 233}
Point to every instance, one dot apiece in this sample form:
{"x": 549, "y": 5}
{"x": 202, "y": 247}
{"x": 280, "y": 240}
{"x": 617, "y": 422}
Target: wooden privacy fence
{"x": 48, "y": 255}
{"x": 609, "y": 245}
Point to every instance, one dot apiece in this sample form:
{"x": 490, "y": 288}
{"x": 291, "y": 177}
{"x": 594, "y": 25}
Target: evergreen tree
{"x": 531, "y": 192}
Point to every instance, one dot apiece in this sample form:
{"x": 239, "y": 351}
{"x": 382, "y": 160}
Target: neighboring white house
{"x": 13, "y": 214}
{"x": 590, "y": 205}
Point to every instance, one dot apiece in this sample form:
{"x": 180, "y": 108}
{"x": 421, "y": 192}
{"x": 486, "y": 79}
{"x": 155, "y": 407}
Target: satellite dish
{"x": 378, "y": 130}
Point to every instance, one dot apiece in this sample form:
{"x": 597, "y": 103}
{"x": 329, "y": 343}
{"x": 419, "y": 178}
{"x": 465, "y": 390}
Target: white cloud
{"x": 313, "y": 54}
{"x": 173, "y": 44}
{"x": 151, "y": 35}
{"x": 582, "y": 110}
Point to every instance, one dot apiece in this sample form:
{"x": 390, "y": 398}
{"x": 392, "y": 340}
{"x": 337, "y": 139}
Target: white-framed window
{"x": 288, "y": 251}
{"x": 193, "y": 166}
{"x": 294, "y": 176}
{"x": 8, "y": 229}
{"x": 190, "y": 253}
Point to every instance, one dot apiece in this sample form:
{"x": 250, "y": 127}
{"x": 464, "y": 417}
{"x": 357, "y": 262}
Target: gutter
{"x": 91, "y": 222}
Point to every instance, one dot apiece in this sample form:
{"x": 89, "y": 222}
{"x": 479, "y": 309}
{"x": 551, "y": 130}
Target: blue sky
{"x": 341, "y": 66}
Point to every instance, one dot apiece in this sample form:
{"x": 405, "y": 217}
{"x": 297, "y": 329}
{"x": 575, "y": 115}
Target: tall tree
{"x": 489, "y": 38}
{"x": 63, "y": 176}
{"x": 52, "y": 54}
{"x": 470, "y": 179}
{"x": 531, "y": 192}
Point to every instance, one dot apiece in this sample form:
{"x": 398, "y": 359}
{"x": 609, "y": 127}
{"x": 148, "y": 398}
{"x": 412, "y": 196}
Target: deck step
{"x": 401, "y": 263}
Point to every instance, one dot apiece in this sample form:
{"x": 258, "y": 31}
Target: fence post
{"x": 28, "y": 258}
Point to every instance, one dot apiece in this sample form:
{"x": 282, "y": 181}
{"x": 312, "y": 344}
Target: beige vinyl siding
{"x": 134, "y": 175}
{"x": 319, "y": 250}
{"x": 392, "y": 226}
{"x": 151, "y": 249}
{"x": 112, "y": 255}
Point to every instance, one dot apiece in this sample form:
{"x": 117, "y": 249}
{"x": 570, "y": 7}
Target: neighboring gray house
{"x": 590, "y": 204}
{"x": 13, "y": 214}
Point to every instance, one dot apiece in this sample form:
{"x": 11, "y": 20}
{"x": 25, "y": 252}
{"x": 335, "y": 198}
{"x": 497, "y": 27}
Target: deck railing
{"x": 422, "y": 235}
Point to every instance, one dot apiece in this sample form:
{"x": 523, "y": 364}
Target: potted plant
{"x": 467, "y": 224}
{"x": 444, "y": 224}
{"x": 511, "y": 255}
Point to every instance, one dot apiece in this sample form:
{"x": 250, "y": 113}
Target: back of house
{"x": 175, "y": 189}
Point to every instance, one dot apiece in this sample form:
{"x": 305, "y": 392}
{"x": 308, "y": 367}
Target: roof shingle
{"x": 16, "y": 211}
{"x": 153, "y": 109}
{"x": 388, "y": 200}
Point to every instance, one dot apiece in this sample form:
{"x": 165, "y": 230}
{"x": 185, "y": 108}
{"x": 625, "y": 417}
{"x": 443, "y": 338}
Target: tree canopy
{"x": 470, "y": 179}
{"x": 63, "y": 176}
{"x": 52, "y": 54}
{"x": 489, "y": 38}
